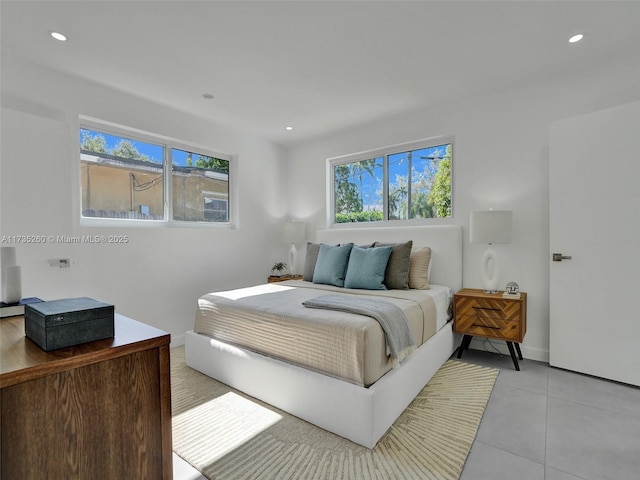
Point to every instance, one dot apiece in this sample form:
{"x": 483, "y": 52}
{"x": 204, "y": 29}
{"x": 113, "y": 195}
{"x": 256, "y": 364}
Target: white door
{"x": 595, "y": 219}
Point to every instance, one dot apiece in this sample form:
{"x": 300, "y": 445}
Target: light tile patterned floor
{"x": 543, "y": 423}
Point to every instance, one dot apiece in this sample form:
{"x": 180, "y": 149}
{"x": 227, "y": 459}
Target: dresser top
{"x": 22, "y": 360}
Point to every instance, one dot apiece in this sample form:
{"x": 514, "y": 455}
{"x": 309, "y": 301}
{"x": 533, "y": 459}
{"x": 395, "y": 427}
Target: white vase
{"x": 12, "y": 284}
{"x": 7, "y": 259}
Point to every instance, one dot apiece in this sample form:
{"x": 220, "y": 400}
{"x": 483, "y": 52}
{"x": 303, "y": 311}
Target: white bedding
{"x": 360, "y": 414}
{"x": 271, "y": 320}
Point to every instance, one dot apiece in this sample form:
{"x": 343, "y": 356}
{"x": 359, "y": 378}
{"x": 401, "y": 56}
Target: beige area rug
{"x": 227, "y": 435}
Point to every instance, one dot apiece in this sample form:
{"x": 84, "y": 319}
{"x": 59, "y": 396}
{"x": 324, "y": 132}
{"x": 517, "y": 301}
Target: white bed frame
{"x": 362, "y": 415}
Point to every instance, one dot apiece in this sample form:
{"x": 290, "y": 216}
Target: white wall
{"x": 158, "y": 275}
{"x": 501, "y": 161}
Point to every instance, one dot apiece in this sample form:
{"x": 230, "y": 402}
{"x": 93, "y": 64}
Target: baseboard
{"x": 176, "y": 341}
{"x": 497, "y": 346}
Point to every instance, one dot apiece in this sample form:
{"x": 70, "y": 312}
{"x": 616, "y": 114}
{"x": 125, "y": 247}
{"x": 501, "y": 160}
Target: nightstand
{"x": 490, "y": 315}
{"x": 283, "y": 278}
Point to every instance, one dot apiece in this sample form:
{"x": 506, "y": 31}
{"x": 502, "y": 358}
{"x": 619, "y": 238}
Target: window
{"x": 405, "y": 182}
{"x": 123, "y": 177}
{"x": 200, "y": 187}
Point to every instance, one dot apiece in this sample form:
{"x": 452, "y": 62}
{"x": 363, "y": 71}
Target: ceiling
{"x": 318, "y": 66}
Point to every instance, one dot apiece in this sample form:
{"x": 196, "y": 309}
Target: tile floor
{"x": 543, "y": 423}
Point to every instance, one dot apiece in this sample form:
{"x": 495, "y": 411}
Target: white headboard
{"x": 445, "y": 242}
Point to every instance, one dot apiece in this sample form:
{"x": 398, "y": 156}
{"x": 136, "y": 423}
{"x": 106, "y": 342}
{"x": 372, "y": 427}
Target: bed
{"x": 330, "y": 377}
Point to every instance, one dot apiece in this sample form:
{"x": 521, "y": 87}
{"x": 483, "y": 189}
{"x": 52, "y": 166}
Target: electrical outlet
{"x": 60, "y": 262}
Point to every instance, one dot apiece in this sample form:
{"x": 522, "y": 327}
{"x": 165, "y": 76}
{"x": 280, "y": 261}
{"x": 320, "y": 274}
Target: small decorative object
{"x": 12, "y": 286}
{"x": 11, "y": 276}
{"x": 294, "y": 232}
{"x": 512, "y": 290}
{"x": 278, "y": 267}
{"x": 67, "y": 322}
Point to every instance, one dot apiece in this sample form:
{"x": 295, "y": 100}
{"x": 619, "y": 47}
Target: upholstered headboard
{"x": 445, "y": 242}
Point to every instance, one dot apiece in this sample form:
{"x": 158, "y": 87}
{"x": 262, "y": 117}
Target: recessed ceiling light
{"x": 208, "y": 96}
{"x": 288, "y": 129}
{"x": 58, "y": 36}
{"x": 576, "y": 38}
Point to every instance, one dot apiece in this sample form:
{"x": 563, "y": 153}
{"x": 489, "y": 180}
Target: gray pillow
{"x": 366, "y": 268}
{"x": 331, "y": 266}
{"x": 396, "y": 276}
{"x": 310, "y": 261}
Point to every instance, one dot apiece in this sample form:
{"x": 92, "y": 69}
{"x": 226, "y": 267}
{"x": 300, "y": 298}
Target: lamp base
{"x": 490, "y": 271}
{"x": 293, "y": 257}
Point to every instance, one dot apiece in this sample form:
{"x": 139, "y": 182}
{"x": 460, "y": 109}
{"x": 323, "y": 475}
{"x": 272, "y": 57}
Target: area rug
{"x": 228, "y": 435}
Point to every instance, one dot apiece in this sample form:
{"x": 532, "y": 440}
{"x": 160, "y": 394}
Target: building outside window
{"x": 129, "y": 178}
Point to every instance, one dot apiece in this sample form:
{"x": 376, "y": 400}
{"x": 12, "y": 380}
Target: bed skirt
{"x": 362, "y": 415}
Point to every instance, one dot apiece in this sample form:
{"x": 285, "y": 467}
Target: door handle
{"x": 558, "y": 257}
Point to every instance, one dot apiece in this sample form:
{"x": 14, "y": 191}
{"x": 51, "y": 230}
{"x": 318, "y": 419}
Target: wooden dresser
{"x": 97, "y": 410}
{"x": 490, "y": 315}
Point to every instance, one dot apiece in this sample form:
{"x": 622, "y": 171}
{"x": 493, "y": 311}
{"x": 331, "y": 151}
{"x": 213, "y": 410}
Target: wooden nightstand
{"x": 283, "y": 278}
{"x": 490, "y": 315}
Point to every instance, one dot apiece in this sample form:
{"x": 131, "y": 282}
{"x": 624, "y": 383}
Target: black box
{"x": 67, "y": 322}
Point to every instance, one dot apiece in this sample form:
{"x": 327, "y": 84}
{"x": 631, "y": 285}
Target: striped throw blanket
{"x": 391, "y": 318}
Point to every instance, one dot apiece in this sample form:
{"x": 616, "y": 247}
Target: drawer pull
{"x": 486, "y": 326}
{"x": 488, "y": 308}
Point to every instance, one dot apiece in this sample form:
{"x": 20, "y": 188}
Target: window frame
{"x": 167, "y": 143}
{"x": 385, "y": 152}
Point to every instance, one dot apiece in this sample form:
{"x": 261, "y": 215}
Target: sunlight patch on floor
{"x": 236, "y": 421}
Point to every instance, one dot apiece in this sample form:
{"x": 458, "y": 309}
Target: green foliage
{"x": 398, "y": 199}
{"x": 420, "y": 206}
{"x": 126, "y": 149}
{"x": 346, "y": 192}
{"x": 204, "y": 161}
{"x": 96, "y": 143}
{"x": 278, "y": 267}
{"x": 362, "y": 216}
{"x": 440, "y": 196}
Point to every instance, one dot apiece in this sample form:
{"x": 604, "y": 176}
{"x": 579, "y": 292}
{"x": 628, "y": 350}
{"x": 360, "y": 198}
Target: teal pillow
{"x": 366, "y": 268}
{"x": 331, "y": 265}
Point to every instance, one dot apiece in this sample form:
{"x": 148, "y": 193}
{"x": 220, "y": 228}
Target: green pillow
{"x": 366, "y": 268}
{"x": 331, "y": 265}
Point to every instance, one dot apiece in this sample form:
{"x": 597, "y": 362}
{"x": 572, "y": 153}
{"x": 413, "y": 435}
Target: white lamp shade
{"x": 490, "y": 226}
{"x": 294, "y": 232}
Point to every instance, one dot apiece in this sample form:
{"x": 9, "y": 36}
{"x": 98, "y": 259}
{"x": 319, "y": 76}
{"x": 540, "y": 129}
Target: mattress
{"x": 270, "y": 319}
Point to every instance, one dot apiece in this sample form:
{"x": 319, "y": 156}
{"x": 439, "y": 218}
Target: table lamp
{"x": 490, "y": 226}
{"x": 293, "y": 232}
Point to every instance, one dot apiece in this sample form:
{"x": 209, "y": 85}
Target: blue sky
{"x": 154, "y": 152}
{"x": 398, "y": 163}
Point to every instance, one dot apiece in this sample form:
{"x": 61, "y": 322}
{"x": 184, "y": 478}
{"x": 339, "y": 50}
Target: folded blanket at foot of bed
{"x": 391, "y": 318}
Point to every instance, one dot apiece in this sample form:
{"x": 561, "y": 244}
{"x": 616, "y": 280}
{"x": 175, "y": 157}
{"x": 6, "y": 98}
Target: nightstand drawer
{"x": 490, "y": 315}
{"x": 486, "y": 326}
{"x": 489, "y": 308}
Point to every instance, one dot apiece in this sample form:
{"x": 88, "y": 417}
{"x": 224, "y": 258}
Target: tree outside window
{"x": 418, "y": 186}
{"x": 124, "y": 178}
